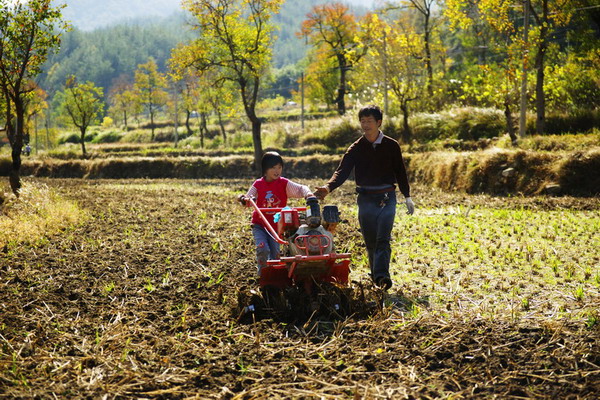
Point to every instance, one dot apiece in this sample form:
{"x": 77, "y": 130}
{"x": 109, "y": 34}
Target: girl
{"x": 270, "y": 191}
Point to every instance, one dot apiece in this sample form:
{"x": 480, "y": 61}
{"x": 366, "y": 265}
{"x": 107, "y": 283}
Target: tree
{"x": 394, "y": 59}
{"x": 35, "y": 105}
{"x": 149, "y": 88}
{"x": 200, "y": 97}
{"x": 549, "y": 15}
{"x": 123, "y": 101}
{"x": 493, "y": 84}
{"x": 333, "y": 26}
{"x": 28, "y": 32}
{"x": 322, "y": 77}
{"x": 82, "y": 104}
{"x": 235, "y": 45}
{"x": 501, "y": 16}
{"x": 425, "y": 9}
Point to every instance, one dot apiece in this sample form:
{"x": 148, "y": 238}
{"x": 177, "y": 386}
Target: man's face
{"x": 273, "y": 173}
{"x": 369, "y": 125}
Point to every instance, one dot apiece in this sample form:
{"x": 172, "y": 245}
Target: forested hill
{"x": 91, "y": 14}
{"x": 102, "y": 55}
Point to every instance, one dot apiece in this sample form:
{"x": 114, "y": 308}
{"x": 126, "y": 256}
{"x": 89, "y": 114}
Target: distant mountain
{"x": 110, "y": 40}
{"x": 91, "y": 14}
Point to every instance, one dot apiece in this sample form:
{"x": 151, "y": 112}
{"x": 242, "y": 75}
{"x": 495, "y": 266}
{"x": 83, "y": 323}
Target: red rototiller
{"x": 308, "y": 254}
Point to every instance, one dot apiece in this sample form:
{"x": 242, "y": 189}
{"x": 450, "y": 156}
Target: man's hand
{"x": 410, "y": 206}
{"x": 321, "y": 192}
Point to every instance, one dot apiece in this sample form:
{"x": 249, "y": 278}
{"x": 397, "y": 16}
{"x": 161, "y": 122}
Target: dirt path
{"x": 137, "y": 302}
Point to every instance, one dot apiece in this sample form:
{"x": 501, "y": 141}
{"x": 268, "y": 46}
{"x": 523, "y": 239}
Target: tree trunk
{"x": 203, "y": 128}
{"x": 341, "y": 95}
{"x": 152, "y": 125}
{"x": 125, "y": 119}
{"x": 222, "y": 126}
{"x": 249, "y": 100}
{"x": 406, "y": 132}
{"x": 83, "y": 152}
{"x": 540, "y": 99}
{"x": 188, "y": 114}
{"x": 428, "y": 57}
{"x": 15, "y": 177}
{"x": 509, "y": 123}
{"x": 256, "y": 139}
{"x": 17, "y": 147}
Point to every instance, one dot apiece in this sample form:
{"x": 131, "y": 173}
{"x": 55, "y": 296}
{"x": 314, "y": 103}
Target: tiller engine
{"x": 308, "y": 256}
{"x": 309, "y": 278}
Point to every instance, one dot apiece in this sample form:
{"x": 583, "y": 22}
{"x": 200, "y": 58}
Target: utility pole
{"x": 47, "y": 125}
{"x": 523, "y": 111}
{"x": 35, "y": 129}
{"x": 302, "y": 100}
{"x": 176, "y": 85}
{"x": 385, "y": 77}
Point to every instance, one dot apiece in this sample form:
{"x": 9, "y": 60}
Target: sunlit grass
{"x": 38, "y": 213}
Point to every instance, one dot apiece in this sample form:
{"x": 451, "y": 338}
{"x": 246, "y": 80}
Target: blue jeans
{"x": 266, "y": 247}
{"x": 376, "y": 214}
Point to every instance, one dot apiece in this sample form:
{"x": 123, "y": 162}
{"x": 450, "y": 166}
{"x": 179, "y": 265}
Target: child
{"x": 270, "y": 191}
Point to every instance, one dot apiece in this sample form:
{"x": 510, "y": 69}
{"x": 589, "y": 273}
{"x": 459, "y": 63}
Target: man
{"x": 378, "y": 167}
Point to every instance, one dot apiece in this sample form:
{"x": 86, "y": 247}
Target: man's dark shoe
{"x": 384, "y": 282}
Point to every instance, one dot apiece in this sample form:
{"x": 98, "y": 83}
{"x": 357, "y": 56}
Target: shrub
{"x": 579, "y": 122}
{"x": 468, "y": 123}
{"x": 240, "y": 139}
{"x": 567, "y": 142}
{"x": 342, "y": 135}
{"x": 428, "y": 127}
{"x": 108, "y": 137}
{"x": 137, "y": 136}
{"x": 107, "y": 122}
{"x": 578, "y": 174}
{"x": 66, "y": 152}
{"x": 393, "y": 127}
{"x": 475, "y": 124}
{"x": 69, "y": 137}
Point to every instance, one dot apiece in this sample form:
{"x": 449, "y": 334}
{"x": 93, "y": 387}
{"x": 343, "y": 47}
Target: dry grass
{"x": 37, "y": 213}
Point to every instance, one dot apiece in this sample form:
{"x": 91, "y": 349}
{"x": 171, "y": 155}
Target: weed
{"x": 109, "y": 287}
{"x": 215, "y": 280}
{"x": 579, "y": 293}
{"x": 166, "y": 278}
{"x": 149, "y": 286}
{"x": 592, "y": 320}
{"x": 126, "y": 350}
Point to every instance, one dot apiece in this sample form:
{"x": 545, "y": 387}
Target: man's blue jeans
{"x": 266, "y": 247}
{"x": 376, "y": 214}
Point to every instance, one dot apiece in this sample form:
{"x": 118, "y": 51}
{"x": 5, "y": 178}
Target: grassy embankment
{"x": 36, "y": 214}
{"x": 469, "y": 154}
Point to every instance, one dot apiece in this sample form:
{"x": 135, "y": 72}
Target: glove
{"x": 242, "y": 199}
{"x": 410, "y": 206}
{"x": 321, "y": 192}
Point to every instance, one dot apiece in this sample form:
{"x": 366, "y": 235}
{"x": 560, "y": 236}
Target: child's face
{"x": 273, "y": 173}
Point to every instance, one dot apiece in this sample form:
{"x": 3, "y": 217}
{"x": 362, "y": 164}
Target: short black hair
{"x": 269, "y": 160}
{"x": 371, "y": 111}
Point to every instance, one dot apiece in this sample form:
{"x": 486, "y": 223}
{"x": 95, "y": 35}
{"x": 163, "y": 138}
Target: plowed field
{"x": 140, "y": 301}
